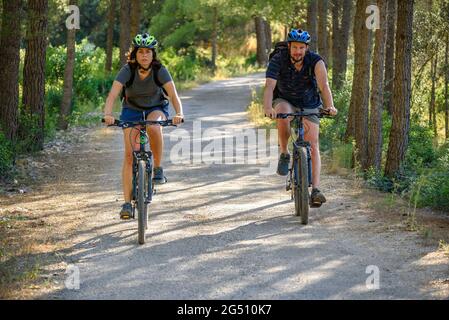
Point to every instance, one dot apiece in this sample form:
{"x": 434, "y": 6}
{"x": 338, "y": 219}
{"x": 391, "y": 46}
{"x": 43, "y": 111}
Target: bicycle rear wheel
{"x": 142, "y": 185}
{"x": 300, "y": 186}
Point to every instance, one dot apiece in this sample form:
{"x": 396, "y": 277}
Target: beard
{"x": 296, "y": 60}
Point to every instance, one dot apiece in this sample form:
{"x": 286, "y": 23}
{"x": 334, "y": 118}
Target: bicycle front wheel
{"x": 300, "y": 186}
{"x": 142, "y": 184}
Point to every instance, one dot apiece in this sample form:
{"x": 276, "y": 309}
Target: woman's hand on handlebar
{"x": 177, "y": 119}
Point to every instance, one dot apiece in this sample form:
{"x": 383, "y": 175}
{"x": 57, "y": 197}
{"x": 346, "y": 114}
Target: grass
{"x": 444, "y": 247}
{"x": 256, "y": 112}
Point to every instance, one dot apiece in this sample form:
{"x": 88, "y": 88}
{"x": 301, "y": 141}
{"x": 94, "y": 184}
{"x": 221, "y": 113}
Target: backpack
{"x": 282, "y": 46}
{"x": 129, "y": 83}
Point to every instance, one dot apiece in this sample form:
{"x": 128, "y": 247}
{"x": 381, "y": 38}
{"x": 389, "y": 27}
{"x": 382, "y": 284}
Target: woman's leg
{"x": 156, "y": 139}
{"x": 130, "y": 135}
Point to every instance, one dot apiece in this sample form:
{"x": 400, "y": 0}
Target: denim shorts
{"x": 312, "y": 118}
{"x": 129, "y": 114}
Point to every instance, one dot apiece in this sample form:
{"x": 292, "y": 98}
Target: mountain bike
{"x": 143, "y": 187}
{"x": 299, "y": 178}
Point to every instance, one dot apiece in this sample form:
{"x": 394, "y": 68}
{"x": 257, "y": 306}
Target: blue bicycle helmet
{"x": 297, "y": 35}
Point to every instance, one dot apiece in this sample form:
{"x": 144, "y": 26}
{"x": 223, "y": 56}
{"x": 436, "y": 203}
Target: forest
{"x": 387, "y": 62}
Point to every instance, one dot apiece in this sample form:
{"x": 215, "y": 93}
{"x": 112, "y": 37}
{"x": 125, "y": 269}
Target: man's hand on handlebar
{"x": 109, "y": 119}
{"x": 332, "y": 111}
{"x": 270, "y": 112}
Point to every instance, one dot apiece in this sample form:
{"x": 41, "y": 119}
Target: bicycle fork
{"x": 293, "y": 177}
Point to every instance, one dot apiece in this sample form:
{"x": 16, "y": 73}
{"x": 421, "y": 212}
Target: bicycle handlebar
{"x": 127, "y": 124}
{"x": 323, "y": 113}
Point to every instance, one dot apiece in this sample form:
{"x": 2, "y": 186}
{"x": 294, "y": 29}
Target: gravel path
{"x": 224, "y": 231}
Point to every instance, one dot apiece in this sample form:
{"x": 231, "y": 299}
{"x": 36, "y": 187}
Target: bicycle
{"x": 143, "y": 187}
{"x": 299, "y": 178}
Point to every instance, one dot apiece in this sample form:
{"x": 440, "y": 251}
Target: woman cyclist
{"x": 147, "y": 85}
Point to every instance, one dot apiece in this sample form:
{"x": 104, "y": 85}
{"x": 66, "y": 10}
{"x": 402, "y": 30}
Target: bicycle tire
{"x": 141, "y": 205}
{"x": 300, "y": 186}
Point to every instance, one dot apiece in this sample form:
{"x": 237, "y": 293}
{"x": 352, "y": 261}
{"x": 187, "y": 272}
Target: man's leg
{"x": 311, "y": 134}
{"x": 283, "y": 126}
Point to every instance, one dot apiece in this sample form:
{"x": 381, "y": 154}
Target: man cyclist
{"x": 293, "y": 78}
{"x": 144, "y": 99}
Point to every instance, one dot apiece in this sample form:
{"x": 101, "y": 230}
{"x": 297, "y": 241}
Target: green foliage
{"x": 420, "y": 152}
{"x": 6, "y": 156}
{"x": 432, "y": 186}
{"x": 342, "y": 155}
{"x": 332, "y": 131}
{"x": 180, "y": 67}
{"x": 91, "y": 83}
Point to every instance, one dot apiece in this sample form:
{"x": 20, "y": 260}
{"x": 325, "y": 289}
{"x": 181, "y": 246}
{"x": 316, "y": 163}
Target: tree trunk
{"x": 110, "y": 36}
{"x": 336, "y": 36}
{"x": 322, "y": 29}
{"x": 312, "y": 23}
{"x": 34, "y": 71}
{"x": 136, "y": 13}
{"x": 268, "y": 35}
{"x": 66, "y": 104}
{"x": 340, "y": 41}
{"x": 214, "y": 38}
{"x": 375, "y": 138}
{"x": 432, "y": 111}
{"x": 261, "y": 41}
{"x": 125, "y": 40}
{"x": 446, "y": 85}
{"x": 402, "y": 90}
{"x": 357, "y": 126}
{"x": 389, "y": 54}
{"x": 9, "y": 72}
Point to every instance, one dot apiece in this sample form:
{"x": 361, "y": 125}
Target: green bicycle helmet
{"x": 144, "y": 41}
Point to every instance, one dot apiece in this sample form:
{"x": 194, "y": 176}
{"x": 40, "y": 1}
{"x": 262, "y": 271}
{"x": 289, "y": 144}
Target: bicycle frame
{"x": 142, "y": 172}
{"x": 299, "y": 142}
{"x": 144, "y": 152}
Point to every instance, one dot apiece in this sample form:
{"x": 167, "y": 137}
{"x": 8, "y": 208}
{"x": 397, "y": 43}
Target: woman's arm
{"x": 173, "y": 95}
{"x": 113, "y": 94}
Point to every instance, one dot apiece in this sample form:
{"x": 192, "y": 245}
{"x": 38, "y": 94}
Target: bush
{"x": 421, "y": 152}
{"x": 332, "y": 131}
{"x": 6, "y": 156}
{"x": 182, "y": 68}
{"x": 431, "y": 188}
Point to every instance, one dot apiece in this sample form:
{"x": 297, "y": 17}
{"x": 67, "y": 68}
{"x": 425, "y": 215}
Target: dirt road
{"x": 223, "y": 231}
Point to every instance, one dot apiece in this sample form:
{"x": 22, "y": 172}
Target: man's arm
{"x": 323, "y": 85}
{"x": 270, "y": 84}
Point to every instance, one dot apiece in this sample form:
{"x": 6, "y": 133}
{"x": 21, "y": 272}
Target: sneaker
{"x": 284, "y": 161}
{"x": 317, "y": 198}
{"x": 158, "y": 176}
{"x": 127, "y": 211}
